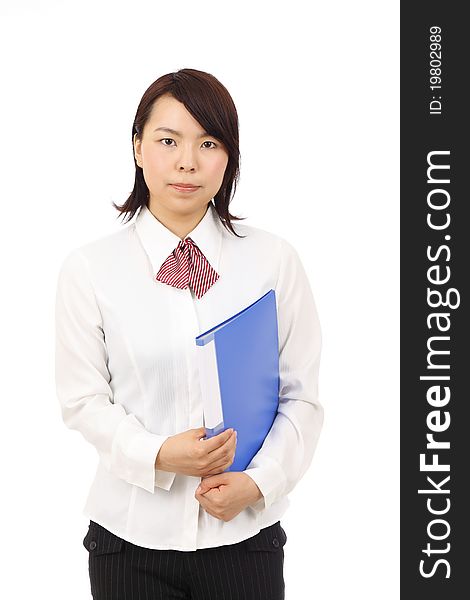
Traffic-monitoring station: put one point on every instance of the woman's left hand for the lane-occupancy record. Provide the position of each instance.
(226, 494)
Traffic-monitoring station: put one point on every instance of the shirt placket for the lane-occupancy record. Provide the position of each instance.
(190, 323)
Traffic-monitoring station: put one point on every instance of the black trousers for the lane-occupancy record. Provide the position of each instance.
(249, 570)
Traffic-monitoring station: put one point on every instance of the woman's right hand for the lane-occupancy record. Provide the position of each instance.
(189, 454)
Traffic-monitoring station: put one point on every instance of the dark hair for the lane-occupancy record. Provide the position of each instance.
(211, 105)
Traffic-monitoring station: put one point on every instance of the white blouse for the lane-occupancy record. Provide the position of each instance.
(127, 377)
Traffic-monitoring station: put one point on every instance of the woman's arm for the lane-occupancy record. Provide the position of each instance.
(125, 447)
(288, 449)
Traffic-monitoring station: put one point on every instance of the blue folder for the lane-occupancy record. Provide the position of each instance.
(239, 373)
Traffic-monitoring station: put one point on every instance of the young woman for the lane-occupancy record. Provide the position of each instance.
(166, 520)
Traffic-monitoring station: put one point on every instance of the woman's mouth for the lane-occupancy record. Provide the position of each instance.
(184, 188)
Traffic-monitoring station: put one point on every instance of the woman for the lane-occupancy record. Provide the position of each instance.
(166, 521)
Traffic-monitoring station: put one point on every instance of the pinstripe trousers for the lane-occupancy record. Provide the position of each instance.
(249, 570)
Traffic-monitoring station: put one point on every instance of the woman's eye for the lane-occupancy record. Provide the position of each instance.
(214, 145)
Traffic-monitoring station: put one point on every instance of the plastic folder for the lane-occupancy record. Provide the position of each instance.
(238, 363)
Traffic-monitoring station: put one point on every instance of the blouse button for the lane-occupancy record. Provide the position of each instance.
(92, 545)
(276, 543)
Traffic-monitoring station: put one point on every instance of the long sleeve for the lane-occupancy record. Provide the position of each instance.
(125, 447)
(288, 449)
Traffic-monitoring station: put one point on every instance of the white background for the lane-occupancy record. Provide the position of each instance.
(317, 91)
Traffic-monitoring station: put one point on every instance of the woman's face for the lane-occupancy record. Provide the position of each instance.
(184, 155)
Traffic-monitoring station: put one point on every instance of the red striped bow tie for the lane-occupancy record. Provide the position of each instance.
(185, 266)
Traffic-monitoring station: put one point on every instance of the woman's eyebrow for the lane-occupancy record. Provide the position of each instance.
(174, 132)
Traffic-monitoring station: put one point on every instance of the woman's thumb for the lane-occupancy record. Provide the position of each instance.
(200, 432)
(211, 481)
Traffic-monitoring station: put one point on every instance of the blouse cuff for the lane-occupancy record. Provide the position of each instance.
(271, 481)
(134, 453)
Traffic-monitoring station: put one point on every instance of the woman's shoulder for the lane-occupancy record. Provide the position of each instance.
(104, 244)
(105, 248)
(258, 236)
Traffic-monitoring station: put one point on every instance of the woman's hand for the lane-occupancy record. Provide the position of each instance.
(189, 454)
(225, 495)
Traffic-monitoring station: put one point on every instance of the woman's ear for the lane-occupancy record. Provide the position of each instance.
(137, 150)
